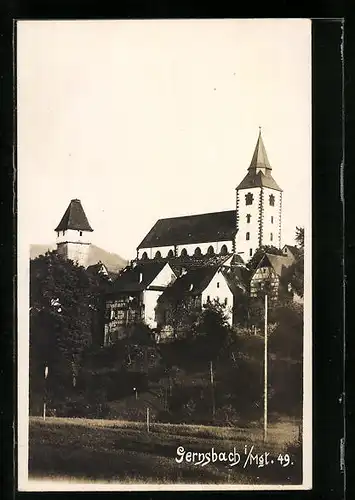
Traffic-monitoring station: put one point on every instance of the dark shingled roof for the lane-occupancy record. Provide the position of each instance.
(202, 228)
(262, 178)
(74, 218)
(278, 262)
(192, 283)
(129, 279)
(252, 180)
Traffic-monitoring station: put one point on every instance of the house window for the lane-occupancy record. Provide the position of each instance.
(144, 256)
(57, 234)
(247, 236)
(208, 298)
(225, 301)
(272, 200)
(271, 236)
(224, 250)
(249, 199)
(210, 250)
(250, 252)
(248, 218)
(217, 284)
(272, 219)
(63, 233)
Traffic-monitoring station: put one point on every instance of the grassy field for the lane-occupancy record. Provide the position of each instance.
(124, 452)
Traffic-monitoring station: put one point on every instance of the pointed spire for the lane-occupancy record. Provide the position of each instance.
(260, 159)
(74, 218)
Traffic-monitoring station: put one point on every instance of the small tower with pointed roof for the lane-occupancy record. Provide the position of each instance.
(73, 234)
(259, 205)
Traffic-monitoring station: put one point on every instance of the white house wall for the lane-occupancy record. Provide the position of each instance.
(150, 298)
(219, 290)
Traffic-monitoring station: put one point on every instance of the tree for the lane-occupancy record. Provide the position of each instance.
(63, 302)
(299, 238)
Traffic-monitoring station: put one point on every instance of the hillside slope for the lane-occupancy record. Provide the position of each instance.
(112, 261)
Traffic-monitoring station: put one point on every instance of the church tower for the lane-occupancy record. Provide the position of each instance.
(73, 234)
(259, 206)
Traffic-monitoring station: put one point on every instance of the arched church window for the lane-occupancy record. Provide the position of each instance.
(271, 236)
(272, 219)
(250, 252)
(247, 236)
(157, 255)
(224, 250)
(249, 199)
(272, 200)
(197, 252)
(170, 254)
(144, 256)
(183, 252)
(210, 250)
(248, 218)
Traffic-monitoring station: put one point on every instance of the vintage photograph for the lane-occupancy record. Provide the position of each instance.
(164, 254)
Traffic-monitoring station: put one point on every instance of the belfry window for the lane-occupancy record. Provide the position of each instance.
(272, 219)
(271, 236)
(249, 199)
(247, 236)
(248, 218)
(272, 200)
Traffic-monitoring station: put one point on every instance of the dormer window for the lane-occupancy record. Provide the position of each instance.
(248, 218)
(224, 250)
(272, 200)
(210, 250)
(249, 199)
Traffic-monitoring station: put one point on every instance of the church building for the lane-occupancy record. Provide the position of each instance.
(255, 221)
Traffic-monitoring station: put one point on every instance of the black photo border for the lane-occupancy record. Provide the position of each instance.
(327, 247)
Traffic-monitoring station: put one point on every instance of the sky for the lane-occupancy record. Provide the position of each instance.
(143, 120)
